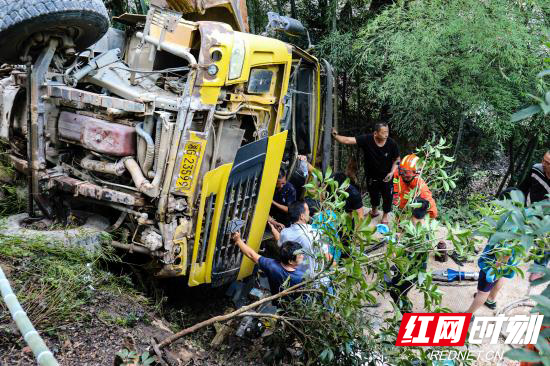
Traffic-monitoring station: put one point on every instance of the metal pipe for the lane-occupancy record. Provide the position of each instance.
(143, 218)
(150, 150)
(129, 247)
(158, 132)
(37, 155)
(43, 355)
(224, 117)
(116, 83)
(152, 189)
(142, 184)
(90, 163)
(162, 154)
(169, 47)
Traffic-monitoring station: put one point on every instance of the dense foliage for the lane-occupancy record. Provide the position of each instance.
(457, 69)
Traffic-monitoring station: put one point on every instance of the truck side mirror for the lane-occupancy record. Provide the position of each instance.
(290, 26)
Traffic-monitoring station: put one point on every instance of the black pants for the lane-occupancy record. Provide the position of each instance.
(398, 291)
(378, 189)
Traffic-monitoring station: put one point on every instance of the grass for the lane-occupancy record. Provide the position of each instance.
(53, 282)
(11, 200)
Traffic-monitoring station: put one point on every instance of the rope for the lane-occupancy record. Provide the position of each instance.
(43, 355)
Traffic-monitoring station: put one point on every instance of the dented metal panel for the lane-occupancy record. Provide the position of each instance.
(233, 12)
(79, 187)
(76, 95)
(8, 92)
(98, 135)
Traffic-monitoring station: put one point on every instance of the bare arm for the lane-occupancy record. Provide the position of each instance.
(274, 231)
(346, 140)
(309, 166)
(247, 251)
(360, 214)
(281, 207)
(393, 169)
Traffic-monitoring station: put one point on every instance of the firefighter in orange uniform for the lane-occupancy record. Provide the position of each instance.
(407, 183)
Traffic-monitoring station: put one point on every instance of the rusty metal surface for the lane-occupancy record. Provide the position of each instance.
(98, 135)
(8, 92)
(211, 33)
(19, 164)
(76, 95)
(90, 163)
(36, 149)
(79, 187)
(236, 8)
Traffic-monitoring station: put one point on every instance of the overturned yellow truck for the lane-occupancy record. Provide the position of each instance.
(168, 131)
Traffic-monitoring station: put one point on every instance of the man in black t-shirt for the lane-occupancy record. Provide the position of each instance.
(536, 188)
(381, 161)
(536, 185)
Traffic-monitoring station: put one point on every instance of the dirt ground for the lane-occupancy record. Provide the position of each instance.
(96, 341)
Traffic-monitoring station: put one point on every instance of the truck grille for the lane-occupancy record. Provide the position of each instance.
(209, 206)
(241, 197)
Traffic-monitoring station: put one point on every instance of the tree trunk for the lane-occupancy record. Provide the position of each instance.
(458, 141)
(334, 14)
(280, 7)
(524, 163)
(251, 17)
(510, 166)
(293, 9)
(343, 95)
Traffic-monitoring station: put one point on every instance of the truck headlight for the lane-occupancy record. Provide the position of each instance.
(237, 59)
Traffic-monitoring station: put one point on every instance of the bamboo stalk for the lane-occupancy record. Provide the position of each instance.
(43, 355)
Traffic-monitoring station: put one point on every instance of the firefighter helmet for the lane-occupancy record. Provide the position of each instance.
(407, 167)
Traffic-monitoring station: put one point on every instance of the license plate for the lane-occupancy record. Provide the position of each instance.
(189, 166)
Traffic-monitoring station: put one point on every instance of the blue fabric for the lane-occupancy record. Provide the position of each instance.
(325, 222)
(488, 258)
(544, 260)
(284, 196)
(485, 284)
(277, 275)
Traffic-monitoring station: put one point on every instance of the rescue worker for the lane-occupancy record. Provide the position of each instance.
(407, 185)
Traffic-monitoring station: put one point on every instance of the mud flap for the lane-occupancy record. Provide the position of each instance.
(242, 190)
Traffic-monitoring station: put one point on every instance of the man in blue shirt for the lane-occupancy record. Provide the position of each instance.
(277, 271)
(285, 194)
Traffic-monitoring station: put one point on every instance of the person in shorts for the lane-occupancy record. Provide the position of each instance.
(496, 258)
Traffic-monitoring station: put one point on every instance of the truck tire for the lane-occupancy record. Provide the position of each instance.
(21, 19)
(89, 236)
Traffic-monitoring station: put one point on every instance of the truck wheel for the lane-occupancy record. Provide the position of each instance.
(86, 21)
(89, 235)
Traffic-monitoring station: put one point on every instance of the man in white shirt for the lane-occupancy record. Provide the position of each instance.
(302, 232)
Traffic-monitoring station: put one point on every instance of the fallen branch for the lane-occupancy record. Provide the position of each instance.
(273, 316)
(244, 309)
(222, 318)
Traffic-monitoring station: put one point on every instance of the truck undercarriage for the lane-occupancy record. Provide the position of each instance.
(170, 130)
